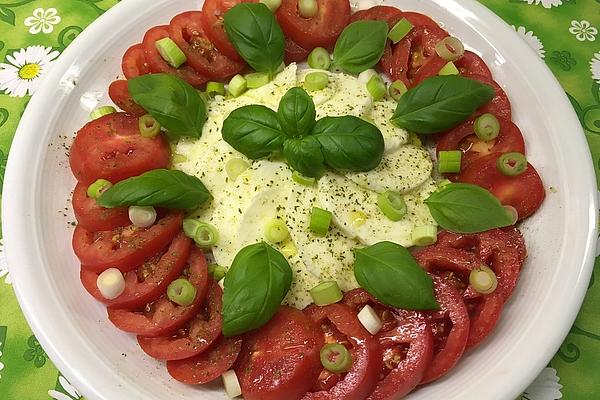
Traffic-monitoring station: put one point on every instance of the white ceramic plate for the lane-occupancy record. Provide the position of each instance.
(107, 364)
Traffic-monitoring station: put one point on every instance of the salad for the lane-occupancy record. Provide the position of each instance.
(306, 202)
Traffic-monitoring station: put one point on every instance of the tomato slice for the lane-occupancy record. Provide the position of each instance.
(451, 330)
(162, 316)
(93, 217)
(463, 138)
(322, 30)
(112, 148)
(366, 354)
(281, 359)
(158, 65)
(134, 62)
(118, 91)
(207, 366)
(500, 105)
(430, 68)
(294, 52)
(196, 337)
(124, 248)
(212, 22)
(471, 64)
(524, 192)
(388, 14)
(186, 30)
(484, 313)
(149, 281)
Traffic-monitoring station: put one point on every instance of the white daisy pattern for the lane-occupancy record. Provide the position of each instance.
(42, 20)
(545, 3)
(583, 30)
(545, 387)
(532, 40)
(3, 268)
(595, 67)
(73, 394)
(21, 74)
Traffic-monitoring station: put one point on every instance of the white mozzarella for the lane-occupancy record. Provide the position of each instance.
(394, 137)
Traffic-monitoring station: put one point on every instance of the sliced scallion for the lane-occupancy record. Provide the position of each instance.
(487, 127)
(302, 180)
(102, 111)
(449, 69)
(320, 220)
(206, 235)
(97, 188)
(190, 227)
(326, 293)
(319, 58)
(235, 167)
(449, 161)
(450, 48)
(512, 164)
(149, 127)
(424, 235)
(397, 89)
(514, 214)
(170, 52)
(308, 8)
(217, 271)
(181, 292)
(257, 79)
(237, 86)
(336, 358)
(392, 205)
(276, 231)
(316, 81)
(483, 280)
(272, 4)
(400, 30)
(215, 88)
(376, 87)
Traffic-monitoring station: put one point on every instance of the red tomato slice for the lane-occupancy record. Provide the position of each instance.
(195, 338)
(124, 248)
(112, 148)
(388, 14)
(212, 22)
(118, 91)
(366, 354)
(207, 366)
(396, 62)
(430, 69)
(524, 192)
(294, 52)
(149, 281)
(484, 312)
(158, 65)
(471, 64)
(163, 316)
(93, 217)
(281, 359)
(499, 105)
(185, 29)
(322, 30)
(134, 62)
(451, 336)
(463, 138)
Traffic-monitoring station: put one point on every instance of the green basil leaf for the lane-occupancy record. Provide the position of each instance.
(391, 274)
(349, 143)
(255, 285)
(253, 131)
(440, 103)
(256, 35)
(174, 103)
(360, 46)
(165, 188)
(296, 113)
(304, 155)
(466, 208)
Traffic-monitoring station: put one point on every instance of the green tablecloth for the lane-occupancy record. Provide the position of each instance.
(565, 33)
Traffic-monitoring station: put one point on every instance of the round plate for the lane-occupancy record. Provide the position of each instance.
(106, 364)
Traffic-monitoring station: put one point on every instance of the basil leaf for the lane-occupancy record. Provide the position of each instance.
(256, 35)
(253, 131)
(174, 103)
(360, 46)
(255, 285)
(440, 103)
(466, 208)
(390, 273)
(165, 188)
(349, 143)
(296, 113)
(305, 156)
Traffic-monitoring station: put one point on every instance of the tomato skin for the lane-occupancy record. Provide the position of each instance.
(206, 366)
(471, 64)
(294, 52)
(124, 248)
(162, 316)
(156, 63)
(268, 369)
(524, 192)
(137, 293)
(93, 217)
(430, 69)
(388, 14)
(186, 30)
(360, 381)
(195, 338)
(500, 105)
(322, 30)
(118, 91)
(134, 62)
(484, 313)
(112, 148)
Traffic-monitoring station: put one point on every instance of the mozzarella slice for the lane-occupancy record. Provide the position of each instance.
(394, 137)
(270, 94)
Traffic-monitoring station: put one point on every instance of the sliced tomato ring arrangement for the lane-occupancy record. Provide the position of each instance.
(149, 281)
(199, 334)
(134, 62)
(118, 92)
(163, 316)
(93, 217)
(471, 64)
(112, 148)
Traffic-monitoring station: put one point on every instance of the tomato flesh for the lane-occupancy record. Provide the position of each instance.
(118, 91)
(134, 62)
(471, 64)
(93, 217)
(294, 52)
(500, 105)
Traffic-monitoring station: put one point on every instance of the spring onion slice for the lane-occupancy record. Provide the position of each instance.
(449, 161)
(257, 79)
(512, 164)
(142, 217)
(450, 49)
(376, 87)
(358, 218)
(320, 220)
(397, 89)
(206, 235)
(215, 88)
(336, 358)
(392, 205)
(487, 127)
(483, 280)
(237, 86)
(326, 293)
(181, 292)
(170, 52)
(102, 111)
(149, 127)
(97, 188)
(400, 30)
(231, 384)
(111, 283)
(514, 214)
(190, 227)
(449, 69)
(272, 4)
(424, 235)
(316, 81)
(276, 231)
(235, 167)
(308, 8)
(319, 59)
(302, 180)
(370, 320)
(217, 271)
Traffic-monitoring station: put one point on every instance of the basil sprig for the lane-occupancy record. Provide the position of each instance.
(174, 103)
(466, 208)
(342, 143)
(160, 187)
(391, 274)
(360, 46)
(254, 287)
(256, 35)
(440, 103)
